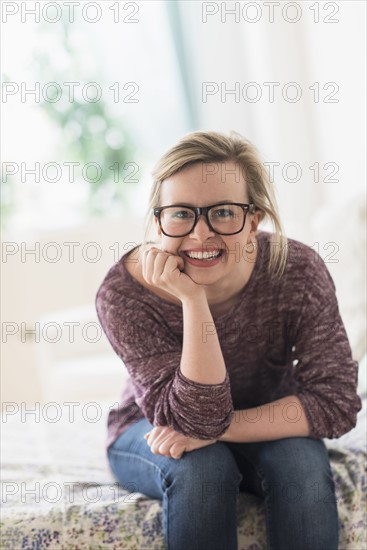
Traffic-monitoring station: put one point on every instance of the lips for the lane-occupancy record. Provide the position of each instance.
(204, 262)
(217, 253)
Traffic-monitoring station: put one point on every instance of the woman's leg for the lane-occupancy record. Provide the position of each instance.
(198, 491)
(294, 477)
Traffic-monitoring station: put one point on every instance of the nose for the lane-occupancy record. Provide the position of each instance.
(202, 230)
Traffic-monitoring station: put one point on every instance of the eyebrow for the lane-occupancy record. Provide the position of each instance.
(190, 204)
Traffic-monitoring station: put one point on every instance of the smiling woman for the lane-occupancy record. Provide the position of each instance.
(207, 401)
(226, 168)
(208, 228)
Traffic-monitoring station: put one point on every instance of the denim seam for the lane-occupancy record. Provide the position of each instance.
(260, 474)
(269, 519)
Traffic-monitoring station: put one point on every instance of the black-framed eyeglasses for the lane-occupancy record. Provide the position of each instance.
(224, 219)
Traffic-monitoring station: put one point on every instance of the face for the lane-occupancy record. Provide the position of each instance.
(203, 185)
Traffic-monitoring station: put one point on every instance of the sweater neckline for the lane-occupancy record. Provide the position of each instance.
(248, 286)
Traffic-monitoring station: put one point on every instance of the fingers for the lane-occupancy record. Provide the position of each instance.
(154, 264)
(157, 436)
(177, 450)
(164, 441)
(148, 265)
(178, 262)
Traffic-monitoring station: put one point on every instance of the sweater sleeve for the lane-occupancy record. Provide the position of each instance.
(325, 371)
(152, 356)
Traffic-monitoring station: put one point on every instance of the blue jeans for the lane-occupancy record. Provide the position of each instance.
(199, 491)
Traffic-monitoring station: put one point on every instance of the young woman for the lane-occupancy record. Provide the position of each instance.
(238, 358)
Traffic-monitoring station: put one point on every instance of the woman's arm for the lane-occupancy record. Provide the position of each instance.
(152, 355)
(202, 359)
(282, 418)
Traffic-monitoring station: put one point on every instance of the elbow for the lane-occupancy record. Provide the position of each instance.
(330, 419)
(341, 425)
(348, 420)
(191, 422)
(351, 425)
(208, 430)
(339, 429)
(330, 431)
(224, 427)
(203, 412)
(348, 417)
(213, 427)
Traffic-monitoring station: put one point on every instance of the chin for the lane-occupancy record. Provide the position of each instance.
(201, 274)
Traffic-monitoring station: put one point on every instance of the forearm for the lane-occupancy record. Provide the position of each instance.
(202, 359)
(282, 418)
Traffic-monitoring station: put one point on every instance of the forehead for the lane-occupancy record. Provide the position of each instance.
(204, 182)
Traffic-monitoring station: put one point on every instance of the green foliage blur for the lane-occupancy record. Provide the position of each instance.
(90, 131)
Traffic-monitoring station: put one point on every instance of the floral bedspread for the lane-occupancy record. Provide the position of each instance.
(58, 491)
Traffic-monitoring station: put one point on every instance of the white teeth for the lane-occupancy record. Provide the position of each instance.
(203, 255)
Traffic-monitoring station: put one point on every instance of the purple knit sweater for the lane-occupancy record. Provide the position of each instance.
(283, 337)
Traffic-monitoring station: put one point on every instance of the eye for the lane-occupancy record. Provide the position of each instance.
(223, 213)
(183, 214)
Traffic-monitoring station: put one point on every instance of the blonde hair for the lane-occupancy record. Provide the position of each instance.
(210, 147)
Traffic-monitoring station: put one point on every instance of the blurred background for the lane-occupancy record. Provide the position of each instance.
(93, 94)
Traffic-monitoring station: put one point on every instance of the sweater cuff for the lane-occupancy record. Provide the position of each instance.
(203, 411)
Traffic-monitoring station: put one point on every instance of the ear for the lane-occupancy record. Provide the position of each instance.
(255, 221)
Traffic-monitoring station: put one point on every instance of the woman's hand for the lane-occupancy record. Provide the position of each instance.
(165, 270)
(166, 441)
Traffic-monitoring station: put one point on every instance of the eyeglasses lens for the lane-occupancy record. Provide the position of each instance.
(225, 219)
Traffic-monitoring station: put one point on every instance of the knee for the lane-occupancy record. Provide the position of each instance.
(299, 468)
(299, 456)
(212, 468)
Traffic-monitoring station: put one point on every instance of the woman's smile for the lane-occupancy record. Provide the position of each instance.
(204, 261)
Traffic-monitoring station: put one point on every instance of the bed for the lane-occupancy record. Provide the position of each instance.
(58, 491)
